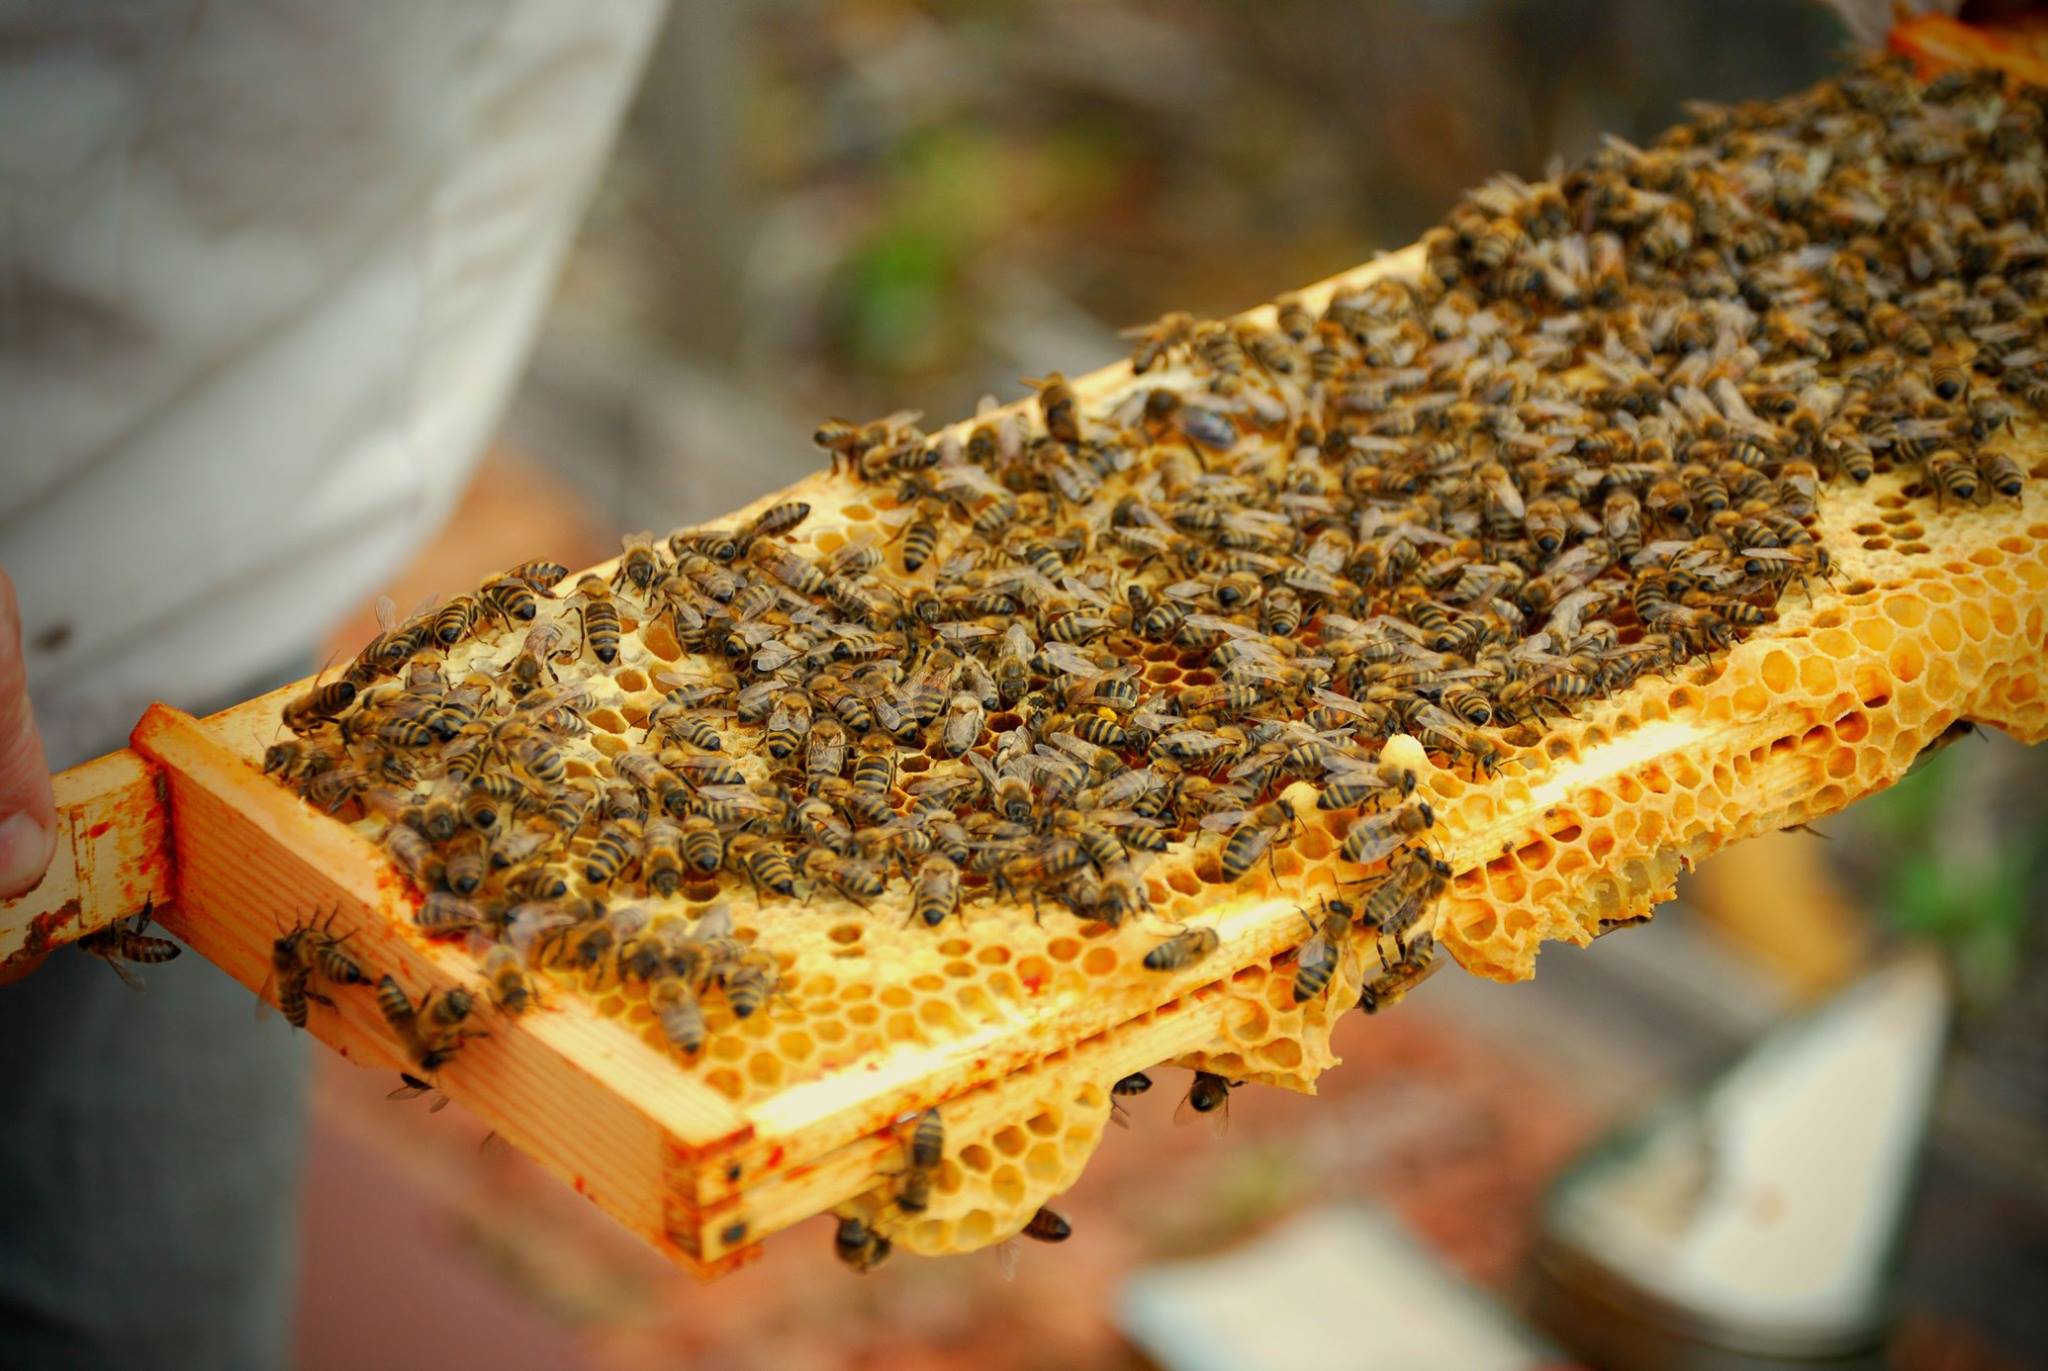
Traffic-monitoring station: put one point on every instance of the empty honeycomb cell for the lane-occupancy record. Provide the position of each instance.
(1974, 622)
(1842, 763)
(765, 1070)
(1099, 962)
(1907, 611)
(1752, 702)
(1915, 549)
(1043, 1163)
(1253, 1026)
(995, 954)
(1942, 681)
(1817, 676)
(863, 1015)
(726, 1082)
(1282, 1053)
(1184, 881)
(1778, 671)
(1944, 631)
(1906, 661)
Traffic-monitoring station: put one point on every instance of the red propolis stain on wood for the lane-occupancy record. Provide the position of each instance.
(99, 830)
(1034, 985)
(775, 1157)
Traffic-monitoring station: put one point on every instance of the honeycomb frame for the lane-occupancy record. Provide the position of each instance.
(1933, 618)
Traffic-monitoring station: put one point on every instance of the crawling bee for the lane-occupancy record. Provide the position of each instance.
(1252, 834)
(125, 940)
(1183, 950)
(1375, 835)
(505, 971)
(1209, 1098)
(859, 1246)
(1317, 961)
(599, 616)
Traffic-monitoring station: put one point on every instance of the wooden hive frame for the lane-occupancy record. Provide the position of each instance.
(1933, 619)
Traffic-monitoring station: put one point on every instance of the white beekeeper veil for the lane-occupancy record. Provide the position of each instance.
(267, 272)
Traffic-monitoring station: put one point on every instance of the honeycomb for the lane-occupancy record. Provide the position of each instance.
(1755, 699)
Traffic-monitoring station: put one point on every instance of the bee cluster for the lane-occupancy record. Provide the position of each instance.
(1583, 444)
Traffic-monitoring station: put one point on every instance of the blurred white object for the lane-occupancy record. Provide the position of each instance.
(269, 272)
(1339, 1289)
(1762, 1216)
(1869, 21)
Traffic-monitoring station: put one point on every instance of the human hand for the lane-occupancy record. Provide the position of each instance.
(28, 811)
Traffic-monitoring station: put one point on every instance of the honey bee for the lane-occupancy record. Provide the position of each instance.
(1058, 407)
(1252, 834)
(1183, 950)
(677, 1010)
(1208, 1097)
(1412, 882)
(1317, 961)
(508, 598)
(1156, 340)
(457, 620)
(431, 1033)
(764, 865)
(859, 1246)
(599, 616)
(1046, 1226)
(935, 895)
(541, 575)
(965, 721)
(778, 518)
(1413, 967)
(312, 711)
(1376, 835)
(504, 970)
(2001, 472)
(125, 940)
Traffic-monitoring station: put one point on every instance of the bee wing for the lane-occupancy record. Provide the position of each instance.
(1225, 818)
(1071, 660)
(387, 613)
(715, 922)
(1082, 591)
(964, 633)
(1343, 703)
(737, 795)
(1210, 623)
(1079, 747)
(1376, 836)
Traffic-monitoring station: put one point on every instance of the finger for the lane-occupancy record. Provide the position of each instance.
(28, 812)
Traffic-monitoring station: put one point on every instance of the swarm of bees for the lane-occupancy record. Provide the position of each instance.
(1584, 444)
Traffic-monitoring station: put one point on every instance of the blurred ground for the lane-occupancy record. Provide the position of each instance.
(855, 207)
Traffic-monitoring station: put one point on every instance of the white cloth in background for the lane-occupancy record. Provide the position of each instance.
(267, 272)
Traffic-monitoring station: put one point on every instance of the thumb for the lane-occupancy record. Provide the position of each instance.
(28, 813)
